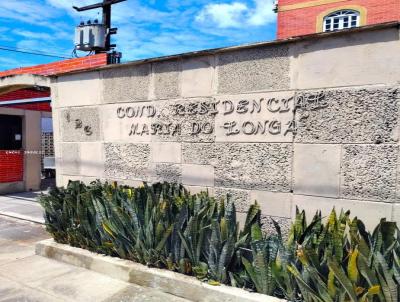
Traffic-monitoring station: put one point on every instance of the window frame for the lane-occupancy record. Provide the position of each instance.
(363, 12)
(341, 19)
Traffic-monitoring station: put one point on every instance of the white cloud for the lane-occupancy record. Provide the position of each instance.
(30, 44)
(223, 15)
(68, 4)
(48, 46)
(33, 35)
(6, 62)
(129, 12)
(237, 14)
(132, 12)
(22, 11)
(262, 14)
(26, 12)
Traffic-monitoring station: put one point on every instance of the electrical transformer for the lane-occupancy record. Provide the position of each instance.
(90, 36)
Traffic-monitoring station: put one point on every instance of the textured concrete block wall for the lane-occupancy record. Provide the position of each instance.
(289, 124)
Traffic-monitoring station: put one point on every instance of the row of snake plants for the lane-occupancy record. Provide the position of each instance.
(331, 259)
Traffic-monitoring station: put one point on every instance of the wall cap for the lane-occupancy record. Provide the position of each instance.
(215, 51)
(15, 82)
(166, 281)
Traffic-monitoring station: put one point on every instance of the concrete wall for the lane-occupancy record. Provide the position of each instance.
(310, 123)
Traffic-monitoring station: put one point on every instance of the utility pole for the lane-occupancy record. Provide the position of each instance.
(106, 6)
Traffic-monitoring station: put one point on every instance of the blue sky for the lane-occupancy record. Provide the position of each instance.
(146, 28)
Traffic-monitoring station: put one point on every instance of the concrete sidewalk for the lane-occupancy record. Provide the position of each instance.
(25, 277)
(22, 206)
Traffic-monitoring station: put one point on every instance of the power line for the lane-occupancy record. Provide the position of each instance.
(32, 52)
(35, 51)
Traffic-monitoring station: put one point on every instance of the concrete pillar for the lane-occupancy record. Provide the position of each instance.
(32, 147)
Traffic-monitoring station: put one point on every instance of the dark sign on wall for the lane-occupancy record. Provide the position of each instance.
(10, 132)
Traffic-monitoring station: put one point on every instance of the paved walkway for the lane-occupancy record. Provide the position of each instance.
(22, 206)
(25, 277)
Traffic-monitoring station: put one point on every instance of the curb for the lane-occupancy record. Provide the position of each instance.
(22, 217)
(163, 280)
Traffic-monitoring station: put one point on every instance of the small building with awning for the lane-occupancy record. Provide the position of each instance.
(26, 129)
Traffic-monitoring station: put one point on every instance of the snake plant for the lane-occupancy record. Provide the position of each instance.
(329, 259)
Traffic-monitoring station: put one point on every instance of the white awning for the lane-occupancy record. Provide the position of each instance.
(25, 101)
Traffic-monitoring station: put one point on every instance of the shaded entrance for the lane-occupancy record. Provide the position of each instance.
(24, 141)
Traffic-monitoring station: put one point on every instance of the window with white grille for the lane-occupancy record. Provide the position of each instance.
(341, 20)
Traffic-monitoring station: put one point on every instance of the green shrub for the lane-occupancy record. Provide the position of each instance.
(165, 226)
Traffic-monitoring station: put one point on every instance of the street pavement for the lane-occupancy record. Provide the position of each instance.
(26, 277)
(22, 206)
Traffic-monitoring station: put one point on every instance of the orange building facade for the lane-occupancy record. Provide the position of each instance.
(302, 17)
